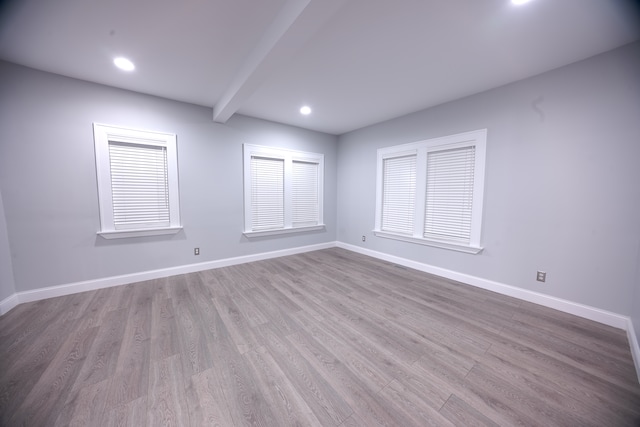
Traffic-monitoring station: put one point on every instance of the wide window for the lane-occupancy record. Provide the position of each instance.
(137, 182)
(282, 191)
(431, 192)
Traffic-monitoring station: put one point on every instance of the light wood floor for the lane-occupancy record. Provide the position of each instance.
(328, 338)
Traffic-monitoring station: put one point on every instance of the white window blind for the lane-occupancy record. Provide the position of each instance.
(139, 185)
(431, 192)
(304, 194)
(283, 191)
(267, 193)
(449, 195)
(137, 172)
(399, 194)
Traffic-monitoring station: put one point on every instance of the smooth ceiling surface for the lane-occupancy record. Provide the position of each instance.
(355, 62)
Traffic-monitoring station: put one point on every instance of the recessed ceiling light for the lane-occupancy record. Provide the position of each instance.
(306, 110)
(124, 64)
(519, 2)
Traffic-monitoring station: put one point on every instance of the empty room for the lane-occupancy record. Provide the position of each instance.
(320, 213)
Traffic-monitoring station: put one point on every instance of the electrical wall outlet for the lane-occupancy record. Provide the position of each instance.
(541, 276)
(364, 238)
(196, 251)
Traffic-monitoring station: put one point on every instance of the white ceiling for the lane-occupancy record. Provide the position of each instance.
(355, 62)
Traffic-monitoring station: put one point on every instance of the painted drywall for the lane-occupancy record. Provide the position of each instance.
(48, 180)
(635, 309)
(562, 189)
(7, 286)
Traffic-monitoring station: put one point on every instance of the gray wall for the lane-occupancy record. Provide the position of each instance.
(562, 189)
(48, 180)
(635, 307)
(7, 286)
(561, 195)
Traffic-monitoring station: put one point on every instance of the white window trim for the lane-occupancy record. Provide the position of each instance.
(477, 138)
(103, 134)
(289, 156)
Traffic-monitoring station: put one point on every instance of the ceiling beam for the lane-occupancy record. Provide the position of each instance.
(296, 22)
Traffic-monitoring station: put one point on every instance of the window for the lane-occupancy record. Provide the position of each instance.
(431, 192)
(282, 191)
(137, 182)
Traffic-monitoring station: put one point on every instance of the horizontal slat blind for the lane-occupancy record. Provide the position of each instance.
(139, 185)
(399, 194)
(304, 194)
(267, 193)
(449, 198)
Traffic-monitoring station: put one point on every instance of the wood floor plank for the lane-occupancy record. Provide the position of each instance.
(582, 326)
(273, 314)
(233, 279)
(469, 311)
(450, 366)
(189, 328)
(354, 421)
(326, 338)
(160, 288)
(166, 397)
(164, 329)
(362, 366)
(44, 403)
(120, 297)
(131, 379)
(285, 303)
(206, 401)
(210, 287)
(102, 358)
(133, 413)
(249, 309)
(597, 364)
(412, 403)
(96, 309)
(443, 335)
(553, 396)
(290, 290)
(402, 345)
(22, 370)
(325, 402)
(213, 326)
(289, 406)
(360, 398)
(42, 320)
(243, 397)
(237, 324)
(460, 413)
(85, 407)
(19, 320)
(524, 406)
(603, 395)
(611, 342)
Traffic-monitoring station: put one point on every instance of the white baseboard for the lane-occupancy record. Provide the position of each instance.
(588, 312)
(592, 313)
(90, 285)
(602, 316)
(8, 303)
(635, 346)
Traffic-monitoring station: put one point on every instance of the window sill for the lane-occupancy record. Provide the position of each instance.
(123, 234)
(435, 243)
(252, 234)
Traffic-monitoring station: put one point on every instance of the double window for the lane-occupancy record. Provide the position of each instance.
(137, 182)
(283, 191)
(430, 192)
